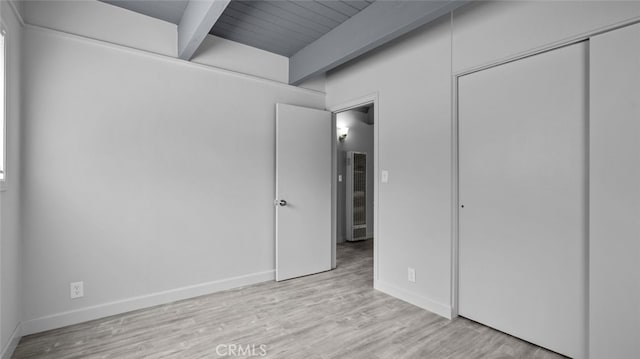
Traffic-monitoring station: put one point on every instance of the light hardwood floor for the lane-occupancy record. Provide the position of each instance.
(335, 314)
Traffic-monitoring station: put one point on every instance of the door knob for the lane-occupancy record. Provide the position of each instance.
(280, 202)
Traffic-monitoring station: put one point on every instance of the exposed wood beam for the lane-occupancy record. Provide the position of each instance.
(376, 25)
(197, 20)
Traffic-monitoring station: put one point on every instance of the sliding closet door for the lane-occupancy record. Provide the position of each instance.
(523, 196)
(615, 195)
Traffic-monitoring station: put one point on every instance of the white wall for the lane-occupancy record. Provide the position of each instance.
(485, 32)
(10, 246)
(360, 139)
(227, 105)
(120, 109)
(142, 174)
(230, 55)
(412, 79)
(315, 83)
(101, 21)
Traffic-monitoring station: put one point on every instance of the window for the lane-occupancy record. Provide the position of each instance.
(3, 108)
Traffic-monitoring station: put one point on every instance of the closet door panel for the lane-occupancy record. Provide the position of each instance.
(615, 195)
(523, 185)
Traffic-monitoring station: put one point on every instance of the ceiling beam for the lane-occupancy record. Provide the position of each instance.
(197, 20)
(376, 25)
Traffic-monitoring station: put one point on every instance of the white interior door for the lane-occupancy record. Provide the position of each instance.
(303, 191)
(523, 196)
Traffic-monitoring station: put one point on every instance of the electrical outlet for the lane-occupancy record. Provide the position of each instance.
(76, 290)
(411, 275)
(339, 178)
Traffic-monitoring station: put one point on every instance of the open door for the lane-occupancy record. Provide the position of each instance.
(303, 191)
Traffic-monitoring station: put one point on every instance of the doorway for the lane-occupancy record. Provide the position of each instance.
(354, 158)
(307, 144)
(355, 182)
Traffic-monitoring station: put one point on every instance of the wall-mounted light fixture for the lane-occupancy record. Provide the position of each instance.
(342, 133)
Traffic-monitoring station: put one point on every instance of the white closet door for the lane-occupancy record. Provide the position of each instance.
(523, 193)
(615, 195)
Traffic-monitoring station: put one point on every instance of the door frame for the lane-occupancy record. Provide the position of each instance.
(371, 99)
(455, 161)
(455, 202)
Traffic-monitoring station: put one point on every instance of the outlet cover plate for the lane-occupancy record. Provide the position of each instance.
(76, 290)
(411, 275)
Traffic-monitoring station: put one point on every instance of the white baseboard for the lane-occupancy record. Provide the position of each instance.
(8, 350)
(126, 305)
(415, 299)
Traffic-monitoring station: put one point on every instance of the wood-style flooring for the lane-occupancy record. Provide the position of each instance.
(335, 314)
